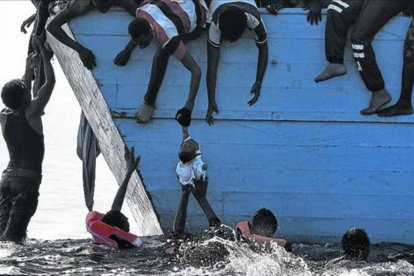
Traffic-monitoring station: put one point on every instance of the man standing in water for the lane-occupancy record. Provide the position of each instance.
(21, 125)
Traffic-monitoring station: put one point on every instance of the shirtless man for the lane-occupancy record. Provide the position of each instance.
(77, 8)
(22, 130)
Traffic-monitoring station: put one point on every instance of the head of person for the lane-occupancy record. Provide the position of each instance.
(117, 219)
(103, 5)
(188, 150)
(355, 243)
(232, 23)
(264, 223)
(14, 95)
(140, 32)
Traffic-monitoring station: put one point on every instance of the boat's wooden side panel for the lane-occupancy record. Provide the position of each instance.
(303, 150)
(111, 143)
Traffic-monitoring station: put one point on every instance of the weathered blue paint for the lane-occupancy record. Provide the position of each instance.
(303, 150)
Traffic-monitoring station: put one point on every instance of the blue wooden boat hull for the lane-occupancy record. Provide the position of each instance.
(303, 150)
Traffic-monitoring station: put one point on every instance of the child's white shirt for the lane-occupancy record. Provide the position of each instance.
(191, 171)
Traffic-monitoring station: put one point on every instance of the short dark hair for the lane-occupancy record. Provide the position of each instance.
(232, 23)
(138, 26)
(264, 223)
(190, 153)
(12, 93)
(355, 243)
(117, 219)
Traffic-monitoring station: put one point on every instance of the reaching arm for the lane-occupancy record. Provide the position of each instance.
(195, 70)
(38, 104)
(132, 166)
(42, 15)
(183, 115)
(31, 62)
(261, 69)
(73, 10)
(185, 133)
(27, 23)
(213, 57)
(123, 57)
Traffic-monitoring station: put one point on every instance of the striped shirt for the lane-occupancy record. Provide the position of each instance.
(254, 21)
(170, 19)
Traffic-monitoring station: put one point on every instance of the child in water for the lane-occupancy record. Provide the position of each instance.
(112, 228)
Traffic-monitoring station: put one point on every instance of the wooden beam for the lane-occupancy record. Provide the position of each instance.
(111, 143)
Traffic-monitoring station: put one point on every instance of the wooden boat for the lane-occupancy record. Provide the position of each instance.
(303, 151)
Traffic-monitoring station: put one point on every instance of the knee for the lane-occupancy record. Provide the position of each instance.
(197, 72)
(357, 38)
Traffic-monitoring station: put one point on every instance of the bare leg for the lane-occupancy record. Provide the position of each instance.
(181, 216)
(403, 106)
(200, 195)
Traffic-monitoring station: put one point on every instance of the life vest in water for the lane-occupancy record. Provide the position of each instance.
(101, 231)
(244, 228)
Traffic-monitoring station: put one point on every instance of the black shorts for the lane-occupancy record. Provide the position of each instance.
(18, 196)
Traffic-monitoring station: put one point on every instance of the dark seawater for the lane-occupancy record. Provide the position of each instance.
(198, 256)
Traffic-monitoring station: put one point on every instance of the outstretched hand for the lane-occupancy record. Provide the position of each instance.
(87, 57)
(209, 116)
(26, 24)
(256, 93)
(183, 117)
(122, 58)
(314, 15)
(131, 160)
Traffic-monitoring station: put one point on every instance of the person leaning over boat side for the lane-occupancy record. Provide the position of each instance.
(77, 8)
(192, 174)
(228, 21)
(22, 130)
(112, 229)
(356, 246)
(170, 24)
(261, 230)
(403, 106)
(373, 16)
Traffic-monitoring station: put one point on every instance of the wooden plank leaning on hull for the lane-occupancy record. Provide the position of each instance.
(110, 141)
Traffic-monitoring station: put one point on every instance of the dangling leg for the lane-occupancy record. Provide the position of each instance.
(181, 215)
(403, 106)
(374, 15)
(341, 15)
(159, 68)
(199, 193)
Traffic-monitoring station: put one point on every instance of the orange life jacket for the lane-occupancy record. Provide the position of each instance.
(244, 228)
(101, 231)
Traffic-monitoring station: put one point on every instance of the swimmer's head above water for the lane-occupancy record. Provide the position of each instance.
(355, 243)
(264, 223)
